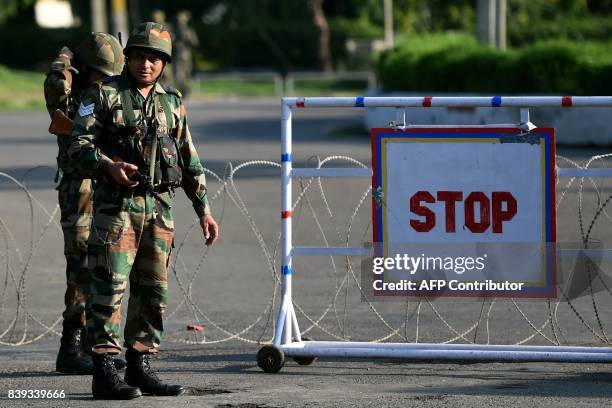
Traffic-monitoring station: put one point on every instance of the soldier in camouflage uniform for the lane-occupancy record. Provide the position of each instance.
(98, 56)
(132, 133)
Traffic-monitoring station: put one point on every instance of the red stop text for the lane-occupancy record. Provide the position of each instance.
(480, 210)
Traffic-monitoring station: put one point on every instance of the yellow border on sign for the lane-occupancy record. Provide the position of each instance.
(383, 158)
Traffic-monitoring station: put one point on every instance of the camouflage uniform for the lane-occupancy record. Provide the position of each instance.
(132, 232)
(99, 55)
(74, 192)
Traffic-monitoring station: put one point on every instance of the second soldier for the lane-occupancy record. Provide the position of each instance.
(98, 56)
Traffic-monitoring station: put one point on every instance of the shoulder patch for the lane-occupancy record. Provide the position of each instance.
(86, 110)
(172, 90)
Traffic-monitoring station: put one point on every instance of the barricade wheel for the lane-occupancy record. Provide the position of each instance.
(305, 360)
(270, 359)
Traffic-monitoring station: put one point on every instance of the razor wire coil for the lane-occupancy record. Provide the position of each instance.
(16, 265)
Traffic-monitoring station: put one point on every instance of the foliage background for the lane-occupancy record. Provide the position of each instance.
(559, 46)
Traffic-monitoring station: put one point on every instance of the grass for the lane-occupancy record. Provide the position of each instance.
(21, 90)
(230, 87)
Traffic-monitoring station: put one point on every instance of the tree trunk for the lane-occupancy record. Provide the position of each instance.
(319, 20)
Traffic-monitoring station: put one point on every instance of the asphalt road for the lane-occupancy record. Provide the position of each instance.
(231, 288)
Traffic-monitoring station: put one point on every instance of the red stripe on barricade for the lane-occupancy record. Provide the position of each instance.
(566, 101)
(427, 101)
(286, 214)
(299, 104)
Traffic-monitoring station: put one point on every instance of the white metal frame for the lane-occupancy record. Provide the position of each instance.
(288, 337)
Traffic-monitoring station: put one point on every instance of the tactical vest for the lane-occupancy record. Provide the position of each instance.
(168, 163)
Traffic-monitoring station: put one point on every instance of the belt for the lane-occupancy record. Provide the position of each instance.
(142, 190)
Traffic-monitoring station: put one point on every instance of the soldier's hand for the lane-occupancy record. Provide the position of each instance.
(209, 228)
(120, 172)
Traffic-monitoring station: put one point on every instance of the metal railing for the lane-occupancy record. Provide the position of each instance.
(287, 85)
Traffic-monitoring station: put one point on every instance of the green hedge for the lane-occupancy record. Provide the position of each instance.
(590, 28)
(455, 63)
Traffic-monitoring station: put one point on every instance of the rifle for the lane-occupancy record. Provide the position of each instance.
(144, 180)
(61, 125)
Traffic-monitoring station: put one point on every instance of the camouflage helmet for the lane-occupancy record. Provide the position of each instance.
(102, 52)
(153, 36)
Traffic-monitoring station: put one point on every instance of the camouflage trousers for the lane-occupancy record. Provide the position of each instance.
(131, 240)
(75, 201)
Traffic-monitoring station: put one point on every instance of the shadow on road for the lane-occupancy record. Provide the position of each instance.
(594, 384)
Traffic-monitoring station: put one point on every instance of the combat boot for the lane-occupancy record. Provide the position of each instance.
(106, 383)
(138, 373)
(70, 358)
(119, 362)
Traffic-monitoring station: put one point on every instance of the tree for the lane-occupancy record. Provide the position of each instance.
(9, 8)
(319, 20)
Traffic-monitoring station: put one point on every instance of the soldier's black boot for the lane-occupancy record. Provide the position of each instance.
(117, 359)
(138, 373)
(119, 362)
(106, 382)
(70, 358)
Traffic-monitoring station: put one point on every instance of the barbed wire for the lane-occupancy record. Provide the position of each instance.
(331, 320)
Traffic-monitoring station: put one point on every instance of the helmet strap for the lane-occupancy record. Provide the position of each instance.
(161, 73)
